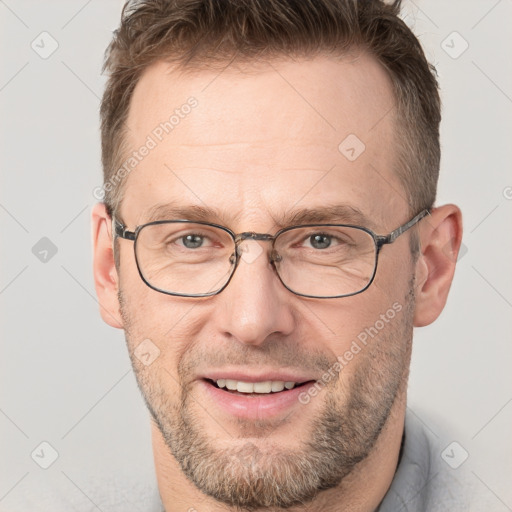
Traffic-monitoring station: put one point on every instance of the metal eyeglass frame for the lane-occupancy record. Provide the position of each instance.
(121, 231)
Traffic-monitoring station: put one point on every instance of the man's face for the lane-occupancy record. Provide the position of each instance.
(261, 144)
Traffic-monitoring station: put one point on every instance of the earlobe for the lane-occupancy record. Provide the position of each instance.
(441, 236)
(105, 274)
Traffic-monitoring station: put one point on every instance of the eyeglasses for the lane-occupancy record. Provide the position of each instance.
(198, 259)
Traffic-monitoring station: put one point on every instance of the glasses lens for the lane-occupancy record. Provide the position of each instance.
(185, 258)
(323, 261)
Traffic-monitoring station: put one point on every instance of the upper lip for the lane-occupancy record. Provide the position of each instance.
(258, 376)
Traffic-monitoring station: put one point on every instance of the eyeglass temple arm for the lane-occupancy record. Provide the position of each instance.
(121, 231)
(389, 239)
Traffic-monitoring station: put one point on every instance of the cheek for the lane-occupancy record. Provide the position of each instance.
(144, 309)
(164, 324)
(394, 270)
(352, 326)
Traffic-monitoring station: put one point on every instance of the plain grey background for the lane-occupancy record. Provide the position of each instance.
(65, 375)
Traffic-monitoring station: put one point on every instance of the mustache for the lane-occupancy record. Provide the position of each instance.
(274, 354)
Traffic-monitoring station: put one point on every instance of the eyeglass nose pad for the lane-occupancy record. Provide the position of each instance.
(275, 257)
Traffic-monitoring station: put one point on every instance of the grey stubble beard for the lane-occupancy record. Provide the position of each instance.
(251, 477)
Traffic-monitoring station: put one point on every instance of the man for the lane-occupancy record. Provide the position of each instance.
(268, 241)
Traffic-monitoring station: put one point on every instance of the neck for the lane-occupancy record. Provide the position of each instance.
(362, 490)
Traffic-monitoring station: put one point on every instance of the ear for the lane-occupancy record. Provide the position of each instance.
(440, 239)
(106, 279)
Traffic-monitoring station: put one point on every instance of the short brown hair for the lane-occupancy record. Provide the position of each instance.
(190, 32)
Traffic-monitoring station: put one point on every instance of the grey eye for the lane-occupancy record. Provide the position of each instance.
(192, 241)
(319, 241)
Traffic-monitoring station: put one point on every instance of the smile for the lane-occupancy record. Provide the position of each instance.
(253, 399)
(265, 387)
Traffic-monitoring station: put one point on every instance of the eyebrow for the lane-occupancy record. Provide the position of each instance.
(338, 213)
(172, 211)
(329, 214)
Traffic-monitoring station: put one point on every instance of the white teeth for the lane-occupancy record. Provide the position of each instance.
(244, 387)
(277, 386)
(230, 384)
(265, 387)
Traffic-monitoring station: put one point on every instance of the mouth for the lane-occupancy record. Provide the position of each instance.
(254, 399)
(254, 389)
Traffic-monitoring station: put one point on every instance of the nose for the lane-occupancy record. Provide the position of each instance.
(255, 304)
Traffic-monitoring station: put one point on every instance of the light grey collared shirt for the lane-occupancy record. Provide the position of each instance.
(424, 481)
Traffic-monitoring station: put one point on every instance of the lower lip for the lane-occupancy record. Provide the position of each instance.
(254, 407)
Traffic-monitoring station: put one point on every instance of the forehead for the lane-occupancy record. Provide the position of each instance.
(263, 137)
